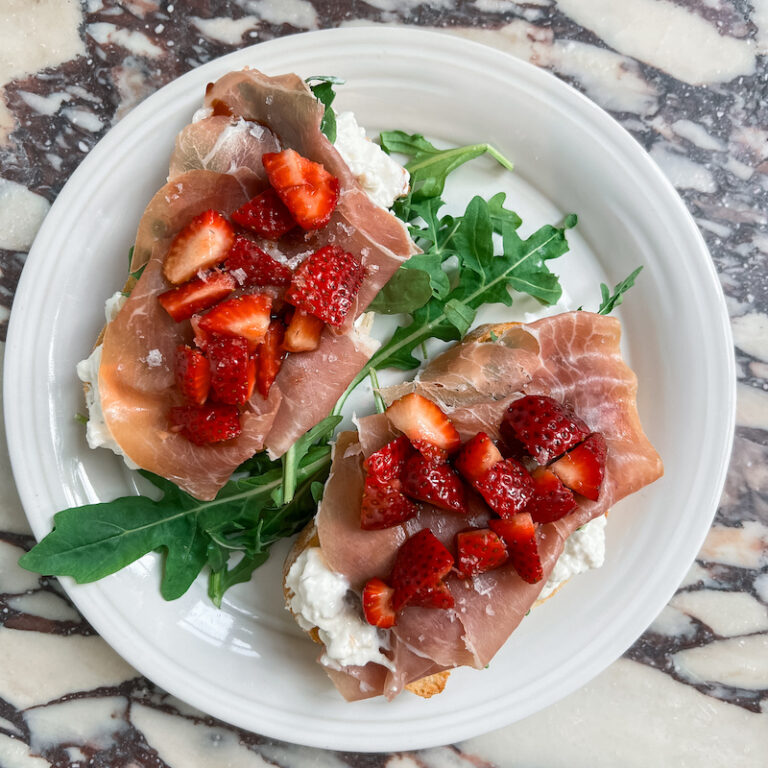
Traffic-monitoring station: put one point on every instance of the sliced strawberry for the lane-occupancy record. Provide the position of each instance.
(545, 427)
(388, 462)
(250, 376)
(435, 595)
(476, 457)
(205, 241)
(384, 506)
(196, 295)
(479, 550)
(583, 468)
(249, 265)
(303, 332)
(309, 192)
(201, 337)
(203, 424)
(519, 534)
(377, 604)
(430, 452)
(421, 421)
(246, 316)
(193, 374)
(270, 357)
(230, 379)
(551, 499)
(325, 284)
(436, 484)
(506, 487)
(266, 215)
(420, 562)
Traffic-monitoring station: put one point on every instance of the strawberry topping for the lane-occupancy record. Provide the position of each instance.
(384, 506)
(203, 424)
(387, 464)
(231, 379)
(422, 422)
(196, 295)
(422, 561)
(377, 604)
(435, 595)
(506, 487)
(249, 265)
(479, 550)
(303, 332)
(436, 484)
(205, 241)
(545, 427)
(476, 457)
(582, 469)
(270, 357)
(246, 316)
(193, 374)
(308, 191)
(325, 284)
(551, 499)
(519, 534)
(266, 215)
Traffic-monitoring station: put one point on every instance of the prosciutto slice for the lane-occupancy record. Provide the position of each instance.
(573, 357)
(217, 164)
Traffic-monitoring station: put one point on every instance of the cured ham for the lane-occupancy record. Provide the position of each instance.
(216, 164)
(573, 357)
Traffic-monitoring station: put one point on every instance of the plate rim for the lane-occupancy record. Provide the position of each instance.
(81, 593)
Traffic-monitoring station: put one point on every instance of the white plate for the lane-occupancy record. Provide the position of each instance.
(248, 664)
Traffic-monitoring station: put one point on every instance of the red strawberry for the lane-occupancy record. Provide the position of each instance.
(431, 452)
(193, 374)
(249, 265)
(476, 457)
(205, 241)
(377, 604)
(230, 376)
(582, 469)
(421, 421)
(479, 550)
(325, 284)
(203, 424)
(519, 534)
(436, 484)
(544, 426)
(506, 487)
(420, 562)
(387, 463)
(270, 357)
(196, 295)
(384, 506)
(309, 192)
(266, 215)
(551, 499)
(246, 316)
(303, 332)
(435, 595)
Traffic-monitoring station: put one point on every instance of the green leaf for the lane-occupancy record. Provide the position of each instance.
(325, 94)
(474, 236)
(407, 290)
(459, 315)
(500, 215)
(611, 301)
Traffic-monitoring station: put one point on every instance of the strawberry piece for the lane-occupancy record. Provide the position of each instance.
(506, 487)
(436, 484)
(205, 241)
(196, 295)
(325, 284)
(229, 369)
(421, 421)
(435, 595)
(266, 215)
(303, 332)
(583, 468)
(377, 604)
(545, 427)
(204, 424)
(309, 192)
(388, 462)
(270, 356)
(519, 534)
(479, 550)
(249, 265)
(476, 457)
(384, 506)
(431, 452)
(551, 499)
(250, 376)
(420, 562)
(193, 374)
(246, 316)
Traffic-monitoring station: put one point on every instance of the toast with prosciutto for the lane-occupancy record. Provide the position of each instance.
(256, 260)
(444, 517)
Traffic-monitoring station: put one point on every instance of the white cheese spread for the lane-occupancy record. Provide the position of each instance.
(321, 598)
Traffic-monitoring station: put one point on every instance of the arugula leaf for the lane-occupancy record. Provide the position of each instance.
(611, 301)
(325, 94)
(407, 290)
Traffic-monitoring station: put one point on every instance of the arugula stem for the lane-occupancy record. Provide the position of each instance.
(289, 474)
(378, 399)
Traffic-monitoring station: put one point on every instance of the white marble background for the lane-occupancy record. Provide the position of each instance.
(689, 80)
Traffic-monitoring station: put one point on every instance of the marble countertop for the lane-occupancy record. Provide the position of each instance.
(689, 80)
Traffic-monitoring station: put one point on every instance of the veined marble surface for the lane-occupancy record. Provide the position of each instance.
(689, 80)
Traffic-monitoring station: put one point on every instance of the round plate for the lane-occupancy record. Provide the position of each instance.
(248, 664)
